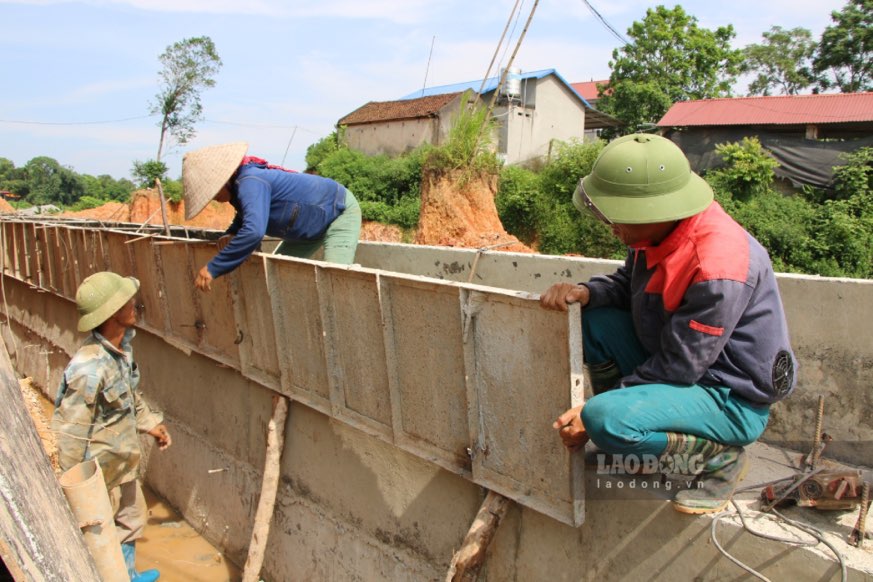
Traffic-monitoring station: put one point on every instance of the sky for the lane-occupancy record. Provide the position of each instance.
(79, 77)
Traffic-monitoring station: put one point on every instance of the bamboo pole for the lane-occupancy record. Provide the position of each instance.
(269, 486)
(468, 560)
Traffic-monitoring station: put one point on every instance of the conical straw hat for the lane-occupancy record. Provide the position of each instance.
(205, 171)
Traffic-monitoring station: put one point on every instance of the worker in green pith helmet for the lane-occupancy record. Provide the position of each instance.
(99, 410)
(686, 344)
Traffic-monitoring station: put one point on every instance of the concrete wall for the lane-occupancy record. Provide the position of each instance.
(354, 504)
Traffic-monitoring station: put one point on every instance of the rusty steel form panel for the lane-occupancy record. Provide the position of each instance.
(57, 272)
(83, 253)
(92, 256)
(31, 255)
(119, 254)
(293, 290)
(68, 264)
(219, 334)
(355, 348)
(152, 292)
(426, 369)
(21, 266)
(256, 332)
(524, 364)
(8, 242)
(185, 322)
(43, 257)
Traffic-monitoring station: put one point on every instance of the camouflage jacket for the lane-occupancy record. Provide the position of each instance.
(99, 410)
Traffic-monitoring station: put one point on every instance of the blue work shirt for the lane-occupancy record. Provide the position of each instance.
(276, 202)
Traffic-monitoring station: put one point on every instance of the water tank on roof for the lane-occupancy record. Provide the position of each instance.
(512, 84)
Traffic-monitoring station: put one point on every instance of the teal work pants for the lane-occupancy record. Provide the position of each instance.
(340, 241)
(635, 420)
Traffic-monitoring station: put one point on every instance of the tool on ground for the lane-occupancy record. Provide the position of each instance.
(822, 484)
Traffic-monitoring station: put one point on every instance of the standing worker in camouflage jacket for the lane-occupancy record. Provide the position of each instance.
(99, 409)
(686, 344)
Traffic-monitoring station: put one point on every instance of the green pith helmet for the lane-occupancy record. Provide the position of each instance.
(641, 179)
(101, 295)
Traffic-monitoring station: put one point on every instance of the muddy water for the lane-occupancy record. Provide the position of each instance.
(169, 544)
(176, 550)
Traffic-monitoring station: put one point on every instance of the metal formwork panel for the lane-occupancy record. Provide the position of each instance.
(55, 279)
(21, 266)
(524, 369)
(8, 234)
(88, 249)
(182, 300)
(426, 369)
(31, 254)
(152, 295)
(67, 264)
(256, 331)
(118, 253)
(43, 257)
(293, 288)
(355, 347)
(219, 335)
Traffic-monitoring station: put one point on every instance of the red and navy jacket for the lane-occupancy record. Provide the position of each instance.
(706, 306)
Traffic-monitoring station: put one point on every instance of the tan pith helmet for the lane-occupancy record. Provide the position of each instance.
(100, 295)
(206, 170)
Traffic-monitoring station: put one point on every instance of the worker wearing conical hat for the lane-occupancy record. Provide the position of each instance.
(686, 345)
(307, 212)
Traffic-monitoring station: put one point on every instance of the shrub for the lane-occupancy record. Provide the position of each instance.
(749, 169)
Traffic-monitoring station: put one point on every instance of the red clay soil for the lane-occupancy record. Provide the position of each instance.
(5, 206)
(462, 217)
(145, 207)
(450, 216)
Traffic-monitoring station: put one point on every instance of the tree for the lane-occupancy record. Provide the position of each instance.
(50, 183)
(783, 62)
(189, 66)
(846, 48)
(145, 173)
(670, 59)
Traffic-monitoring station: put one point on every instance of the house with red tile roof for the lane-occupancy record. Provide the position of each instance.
(807, 134)
(589, 90)
(533, 111)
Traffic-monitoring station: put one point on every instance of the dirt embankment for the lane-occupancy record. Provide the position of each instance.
(450, 216)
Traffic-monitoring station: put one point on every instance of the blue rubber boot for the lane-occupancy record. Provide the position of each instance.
(129, 552)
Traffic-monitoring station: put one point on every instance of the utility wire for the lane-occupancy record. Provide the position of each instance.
(608, 26)
(73, 122)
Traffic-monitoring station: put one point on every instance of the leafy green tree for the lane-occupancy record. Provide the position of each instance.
(669, 59)
(189, 66)
(50, 183)
(12, 178)
(323, 148)
(783, 62)
(846, 48)
(145, 173)
(105, 187)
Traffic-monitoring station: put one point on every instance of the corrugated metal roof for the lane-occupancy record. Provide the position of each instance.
(776, 110)
(402, 109)
(489, 85)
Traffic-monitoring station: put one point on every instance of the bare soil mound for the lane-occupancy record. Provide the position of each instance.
(145, 208)
(5, 206)
(463, 216)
